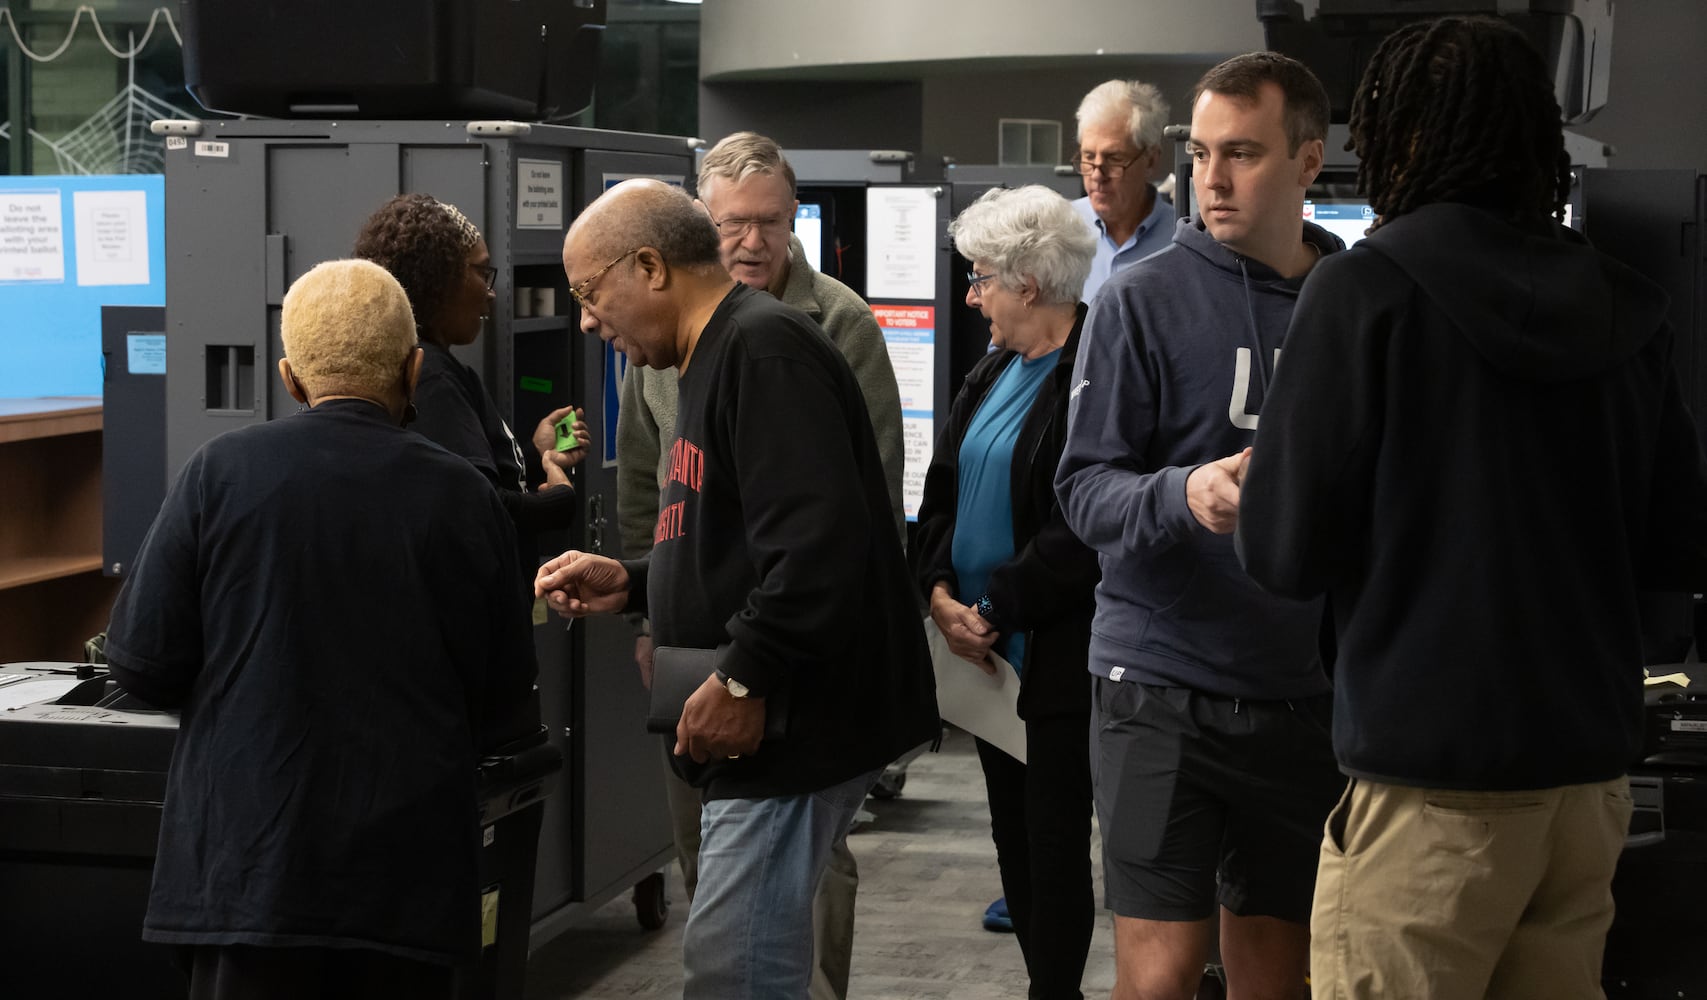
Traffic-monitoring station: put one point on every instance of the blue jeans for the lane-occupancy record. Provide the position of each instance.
(749, 933)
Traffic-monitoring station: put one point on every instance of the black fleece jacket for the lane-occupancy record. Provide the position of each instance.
(1048, 589)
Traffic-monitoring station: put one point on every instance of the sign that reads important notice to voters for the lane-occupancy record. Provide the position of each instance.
(32, 236)
(910, 334)
(539, 194)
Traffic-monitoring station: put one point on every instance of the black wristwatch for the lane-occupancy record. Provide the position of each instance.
(987, 610)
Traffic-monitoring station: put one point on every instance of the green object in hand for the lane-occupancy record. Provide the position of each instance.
(566, 439)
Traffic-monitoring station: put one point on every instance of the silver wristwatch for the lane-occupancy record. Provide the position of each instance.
(735, 688)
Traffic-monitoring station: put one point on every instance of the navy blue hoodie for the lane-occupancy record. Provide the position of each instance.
(1177, 354)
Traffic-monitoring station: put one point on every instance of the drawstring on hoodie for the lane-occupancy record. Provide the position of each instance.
(1262, 364)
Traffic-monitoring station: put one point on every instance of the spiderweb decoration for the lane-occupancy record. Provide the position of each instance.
(115, 139)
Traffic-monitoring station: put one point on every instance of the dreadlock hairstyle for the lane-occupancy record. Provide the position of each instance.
(1459, 108)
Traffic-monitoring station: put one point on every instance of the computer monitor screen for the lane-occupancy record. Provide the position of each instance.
(809, 226)
(1334, 203)
(1346, 218)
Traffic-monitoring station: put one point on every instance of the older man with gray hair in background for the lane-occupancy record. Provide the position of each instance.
(748, 189)
(1120, 143)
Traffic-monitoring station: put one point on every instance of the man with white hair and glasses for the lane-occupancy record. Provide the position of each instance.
(1120, 142)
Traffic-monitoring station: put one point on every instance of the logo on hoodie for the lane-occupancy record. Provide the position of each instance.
(1238, 409)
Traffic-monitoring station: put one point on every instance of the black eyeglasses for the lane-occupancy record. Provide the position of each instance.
(974, 280)
(1109, 166)
(487, 272)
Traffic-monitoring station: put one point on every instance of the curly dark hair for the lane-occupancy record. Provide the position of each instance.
(424, 243)
(1459, 108)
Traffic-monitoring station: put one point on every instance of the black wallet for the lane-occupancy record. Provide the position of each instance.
(678, 671)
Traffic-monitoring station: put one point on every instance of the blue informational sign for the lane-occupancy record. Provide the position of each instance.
(809, 226)
(145, 353)
(68, 246)
(616, 365)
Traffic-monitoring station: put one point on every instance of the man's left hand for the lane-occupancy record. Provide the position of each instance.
(1212, 492)
(717, 725)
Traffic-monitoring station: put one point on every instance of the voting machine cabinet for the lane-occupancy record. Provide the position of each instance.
(1653, 947)
(252, 205)
(81, 793)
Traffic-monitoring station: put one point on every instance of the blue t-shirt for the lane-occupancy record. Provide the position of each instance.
(984, 515)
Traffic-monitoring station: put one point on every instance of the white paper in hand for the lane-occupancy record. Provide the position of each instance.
(985, 706)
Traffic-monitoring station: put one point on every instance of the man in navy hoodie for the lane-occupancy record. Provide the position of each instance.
(1478, 450)
(1213, 769)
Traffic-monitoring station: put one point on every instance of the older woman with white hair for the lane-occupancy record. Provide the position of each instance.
(1003, 573)
(329, 599)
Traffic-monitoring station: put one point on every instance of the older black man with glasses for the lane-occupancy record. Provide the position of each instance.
(747, 189)
(1120, 143)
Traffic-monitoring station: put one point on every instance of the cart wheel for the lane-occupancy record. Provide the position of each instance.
(652, 901)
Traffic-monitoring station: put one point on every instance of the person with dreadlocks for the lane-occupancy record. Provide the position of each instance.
(1478, 450)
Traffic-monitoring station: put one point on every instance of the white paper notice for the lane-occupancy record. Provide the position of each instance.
(32, 238)
(900, 236)
(910, 334)
(918, 442)
(539, 194)
(112, 237)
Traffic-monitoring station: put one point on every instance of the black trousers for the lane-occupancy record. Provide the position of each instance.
(243, 972)
(1040, 819)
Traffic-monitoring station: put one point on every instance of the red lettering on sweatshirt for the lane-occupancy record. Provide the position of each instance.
(669, 523)
(687, 464)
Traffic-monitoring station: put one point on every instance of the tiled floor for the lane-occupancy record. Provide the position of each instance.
(927, 870)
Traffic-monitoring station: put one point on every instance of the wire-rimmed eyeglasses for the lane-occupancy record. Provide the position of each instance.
(1109, 164)
(579, 292)
(731, 229)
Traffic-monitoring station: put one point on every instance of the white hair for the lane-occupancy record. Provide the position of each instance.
(1028, 231)
(1138, 107)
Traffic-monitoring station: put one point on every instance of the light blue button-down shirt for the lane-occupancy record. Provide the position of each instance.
(1154, 233)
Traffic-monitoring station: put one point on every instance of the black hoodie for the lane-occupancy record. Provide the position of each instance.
(1477, 448)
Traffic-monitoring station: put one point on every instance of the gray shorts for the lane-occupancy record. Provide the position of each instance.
(1206, 800)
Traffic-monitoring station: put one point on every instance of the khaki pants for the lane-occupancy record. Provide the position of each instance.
(1428, 893)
